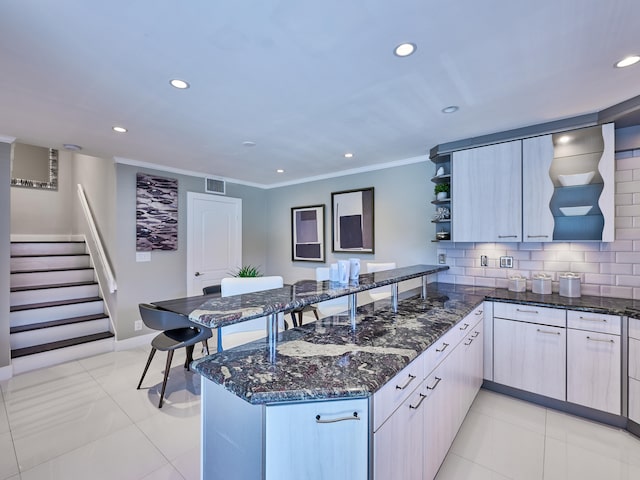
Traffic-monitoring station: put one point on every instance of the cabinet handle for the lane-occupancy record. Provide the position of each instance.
(527, 311)
(435, 384)
(594, 319)
(507, 236)
(422, 397)
(600, 340)
(470, 342)
(339, 419)
(411, 379)
(479, 312)
(444, 347)
(464, 327)
(550, 332)
(537, 236)
(475, 334)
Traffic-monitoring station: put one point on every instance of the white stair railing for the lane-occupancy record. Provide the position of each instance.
(102, 257)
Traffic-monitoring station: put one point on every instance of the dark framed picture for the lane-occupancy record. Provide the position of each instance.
(307, 233)
(352, 221)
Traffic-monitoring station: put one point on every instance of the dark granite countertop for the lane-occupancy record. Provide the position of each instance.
(327, 359)
(221, 311)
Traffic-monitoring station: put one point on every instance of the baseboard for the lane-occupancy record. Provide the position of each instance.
(6, 372)
(26, 237)
(135, 342)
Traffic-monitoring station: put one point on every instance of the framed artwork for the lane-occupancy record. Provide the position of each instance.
(352, 221)
(156, 213)
(307, 233)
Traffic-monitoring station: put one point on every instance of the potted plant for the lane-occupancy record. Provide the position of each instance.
(247, 271)
(442, 191)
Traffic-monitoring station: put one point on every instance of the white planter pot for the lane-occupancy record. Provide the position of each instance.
(442, 195)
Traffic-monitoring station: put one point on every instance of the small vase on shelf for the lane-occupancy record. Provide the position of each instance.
(442, 195)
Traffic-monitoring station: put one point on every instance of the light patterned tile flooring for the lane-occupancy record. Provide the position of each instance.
(85, 419)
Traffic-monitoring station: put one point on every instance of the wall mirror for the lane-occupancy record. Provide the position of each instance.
(34, 167)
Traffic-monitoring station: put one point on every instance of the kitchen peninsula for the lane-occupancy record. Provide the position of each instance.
(338, 399)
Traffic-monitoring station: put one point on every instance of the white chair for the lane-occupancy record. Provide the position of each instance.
(381, 292)
(335, 305)
(244, 332)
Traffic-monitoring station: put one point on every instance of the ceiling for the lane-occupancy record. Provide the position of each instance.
(306, 81)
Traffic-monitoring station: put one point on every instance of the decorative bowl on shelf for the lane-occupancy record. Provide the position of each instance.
(576, 211)
(576, 179)
(442, 235)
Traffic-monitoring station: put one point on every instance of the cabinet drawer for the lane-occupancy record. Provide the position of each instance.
(530, 313)
(593, 322)
(393, 393)
(634, 328)
(634, 358)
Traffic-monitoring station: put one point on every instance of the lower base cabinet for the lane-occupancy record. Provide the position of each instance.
(634, 370)
(413, 441)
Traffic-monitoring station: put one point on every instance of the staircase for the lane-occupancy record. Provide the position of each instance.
(56, 312)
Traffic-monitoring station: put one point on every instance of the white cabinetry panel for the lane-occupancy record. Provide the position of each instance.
(537, 189)
(594, 322)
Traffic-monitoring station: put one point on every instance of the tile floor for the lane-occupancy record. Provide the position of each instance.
(85, 419)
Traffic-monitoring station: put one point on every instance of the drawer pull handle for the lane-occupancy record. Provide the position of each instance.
(422, 397)
(444, 347)
(527, 311)
(464, 327)
(594, 319)
(411, 379)
(475, 334)
(339, 419)
(470, 342)
(550, 332)
(435, 384)
(600, 340)
(537, 236)
(507, 236)
(479, 312)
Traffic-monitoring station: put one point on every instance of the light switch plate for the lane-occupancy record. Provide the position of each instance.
(506, 262)
(442, 258)
(484, 262)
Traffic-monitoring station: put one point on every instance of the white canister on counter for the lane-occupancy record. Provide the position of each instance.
(541, 283)
(354, 268)
(343, 271)
(334, 275)
(517, 283)
(569, 285)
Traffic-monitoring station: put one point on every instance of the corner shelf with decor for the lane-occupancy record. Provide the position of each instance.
(442, 201)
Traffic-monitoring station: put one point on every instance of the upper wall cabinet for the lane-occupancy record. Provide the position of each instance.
(487, 189)
(568, 186)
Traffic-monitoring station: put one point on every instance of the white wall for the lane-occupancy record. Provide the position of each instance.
(403, 230)
(45, 212)
(5, 242)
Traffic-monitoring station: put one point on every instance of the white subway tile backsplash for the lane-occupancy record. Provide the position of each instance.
(455, 253)
(557, 266)
(556, 246)
(462, 280)
(600, 257)
(636, 174)
(628, 281)
(628, 257)
(621, 155)
(628, 233)
(530, 246)
(600, 278)
(530, 265)
(624, 222)
(544, 256)
(619, 292)
(624, 198)
(502, 283)
(628, 163)
(485, 282)
(618, 268)
(585, 246)
(583, 267)
(617, 246)
(627, 211)
(628, 187)
(474, 272)
(467, 262)
(587, 289)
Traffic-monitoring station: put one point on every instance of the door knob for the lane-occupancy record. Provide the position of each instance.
(198, 274)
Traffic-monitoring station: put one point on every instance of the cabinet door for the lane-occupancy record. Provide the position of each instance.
(634, 400)
(530, 357)
(399, 442)
(593, 370)
(488, 340)
(486, 193)
(317, 440)
(537, 189)
(440, 415)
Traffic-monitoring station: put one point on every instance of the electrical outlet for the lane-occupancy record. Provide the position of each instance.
(484, 262)
(137, 325)
(506, 262)
(442, 258)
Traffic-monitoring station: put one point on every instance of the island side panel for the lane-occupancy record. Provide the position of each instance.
(231, 435)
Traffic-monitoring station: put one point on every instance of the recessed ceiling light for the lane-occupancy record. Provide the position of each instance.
(119, 129)
(180, 84)
(564, 139)
(72, 147)
(249, 144)
(628, 61)
(280, 170)
(450, 109)
(405, 49)
(348, 155)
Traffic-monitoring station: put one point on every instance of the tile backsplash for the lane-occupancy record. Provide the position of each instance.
(609, 269)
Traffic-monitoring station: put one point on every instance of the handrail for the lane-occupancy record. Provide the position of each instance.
(96, 240)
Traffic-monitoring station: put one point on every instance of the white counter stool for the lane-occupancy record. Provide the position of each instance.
(178, 332)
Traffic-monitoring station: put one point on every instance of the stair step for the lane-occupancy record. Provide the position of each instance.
(48, 262)
(45, 270)
(59, 303)
(56, 333)
(24, 279)
(52, 293)
(27, 316)
(53, 285)
(43, 247)
(57, 323)
(21, 352)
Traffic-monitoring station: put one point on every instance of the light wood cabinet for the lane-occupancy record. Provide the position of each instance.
(537, 189)
(634, 370)
(593, 370)
(487, 193)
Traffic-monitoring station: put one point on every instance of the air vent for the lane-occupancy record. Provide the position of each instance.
(214, 185)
